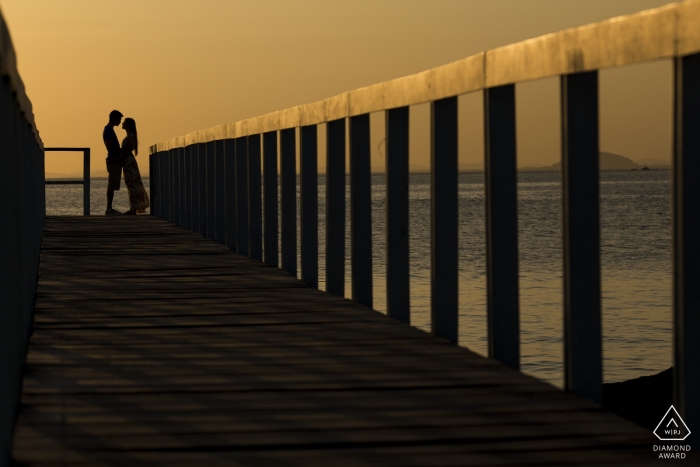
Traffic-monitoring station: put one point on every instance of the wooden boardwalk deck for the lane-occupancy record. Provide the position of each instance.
(155, 346)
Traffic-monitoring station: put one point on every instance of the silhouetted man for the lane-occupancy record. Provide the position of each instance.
(114, 159)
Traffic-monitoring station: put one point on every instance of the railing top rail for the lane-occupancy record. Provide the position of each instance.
(67, 149)
(9, 74)
(668, 31)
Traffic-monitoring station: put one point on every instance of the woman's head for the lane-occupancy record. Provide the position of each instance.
(130, 126)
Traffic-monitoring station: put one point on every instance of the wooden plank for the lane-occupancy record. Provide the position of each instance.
(220, 359)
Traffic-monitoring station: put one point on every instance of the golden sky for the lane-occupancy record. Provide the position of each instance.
(180, 65)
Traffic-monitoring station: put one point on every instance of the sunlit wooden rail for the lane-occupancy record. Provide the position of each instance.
(155, 346)
(209, 181)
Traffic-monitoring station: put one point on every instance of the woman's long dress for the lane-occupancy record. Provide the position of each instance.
(138, 198)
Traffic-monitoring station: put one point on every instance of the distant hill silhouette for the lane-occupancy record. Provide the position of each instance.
(610, 161)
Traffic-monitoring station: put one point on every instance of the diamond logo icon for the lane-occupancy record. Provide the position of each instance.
(672, 427)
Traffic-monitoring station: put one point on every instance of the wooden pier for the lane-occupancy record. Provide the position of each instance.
(166, 340)
(153, 345)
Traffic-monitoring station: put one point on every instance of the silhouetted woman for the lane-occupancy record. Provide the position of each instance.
(138, 198)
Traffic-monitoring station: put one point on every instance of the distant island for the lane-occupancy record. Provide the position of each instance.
(610, 161)
(607, 161)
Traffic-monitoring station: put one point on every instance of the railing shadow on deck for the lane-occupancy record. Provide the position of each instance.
(210, 181)
(22, 208)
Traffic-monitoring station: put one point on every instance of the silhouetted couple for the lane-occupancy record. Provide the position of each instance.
(122, 158)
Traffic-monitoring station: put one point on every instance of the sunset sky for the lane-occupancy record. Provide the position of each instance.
(177, 66)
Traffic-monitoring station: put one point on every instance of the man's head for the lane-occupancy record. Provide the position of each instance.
(115, 117)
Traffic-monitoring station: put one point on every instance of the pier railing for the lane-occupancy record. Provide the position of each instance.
(86, 175)
(22, 208)
(210, 181)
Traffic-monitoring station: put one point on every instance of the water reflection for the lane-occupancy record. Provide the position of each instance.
(636, 262)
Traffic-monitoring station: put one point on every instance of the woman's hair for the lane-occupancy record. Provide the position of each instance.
(130, 125)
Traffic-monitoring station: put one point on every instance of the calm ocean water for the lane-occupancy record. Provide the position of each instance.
(636, 264)
(62, 200)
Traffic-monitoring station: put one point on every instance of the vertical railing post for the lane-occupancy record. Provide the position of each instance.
(172, 168)
(254, 197)
(335, 207)
(398, 292)
(183, 175)
(86, 181)
(220, 206)
(308, 203)
(243, 234)
(230, 189)
(270, 211)
(177, 152)
(167, 199)
(172, 157)
(203, 202)
(501, 225)
(166, 186)
(172, 181)
(580, 213)
(196, 192)
(158, 173)
(172, 184)
(361, 210)
(153, 184)
(211, 189)
(188, 187)
(444, 245)
(164, 183)
(164, 180)
(158, 184)
(686, 248)
(175, 158)
(288, 191)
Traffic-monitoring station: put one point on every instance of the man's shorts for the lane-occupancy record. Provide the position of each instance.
(114, 169)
